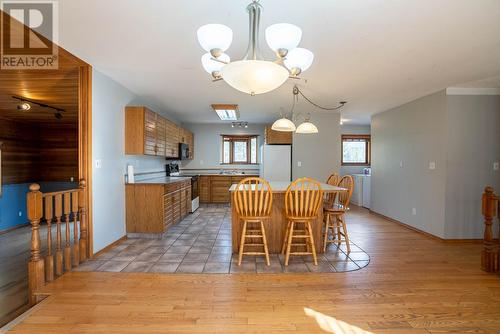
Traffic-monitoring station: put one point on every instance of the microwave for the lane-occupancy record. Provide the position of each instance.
(183, 151)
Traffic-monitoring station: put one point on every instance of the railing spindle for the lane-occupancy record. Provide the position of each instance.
(59, 253)
(49, 259)
(83, 221)
(74, 212)
(36, 275)
(488, 255)
(67, 245)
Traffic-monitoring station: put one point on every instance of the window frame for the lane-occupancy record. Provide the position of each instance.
(366, 139)
(239, 138)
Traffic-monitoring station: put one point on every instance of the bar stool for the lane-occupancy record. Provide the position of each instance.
(302, 202)
(333, 180)
(334, 214)
(253, 200)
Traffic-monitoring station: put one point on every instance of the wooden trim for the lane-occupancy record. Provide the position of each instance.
(85, 144)
(13, 228)
(111, 245)
(238, 138)
(368, 152)
(427, 234)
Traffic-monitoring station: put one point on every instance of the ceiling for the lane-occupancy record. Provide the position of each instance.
(374, 54)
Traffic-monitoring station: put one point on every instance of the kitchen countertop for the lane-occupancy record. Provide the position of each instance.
(281, 187)
(162, 180)
(218, 174)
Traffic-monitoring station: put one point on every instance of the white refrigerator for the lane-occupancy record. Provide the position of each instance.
(276, 162)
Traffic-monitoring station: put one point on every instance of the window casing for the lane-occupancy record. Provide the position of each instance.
(356, 150)
(239, 149)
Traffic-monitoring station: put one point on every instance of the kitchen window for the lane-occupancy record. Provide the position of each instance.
(356, 150)
(239, 150)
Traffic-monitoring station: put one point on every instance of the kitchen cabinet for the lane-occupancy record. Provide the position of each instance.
(215, 188)
(148, 133)
(273, 137)
(361, 191)
(152, 208)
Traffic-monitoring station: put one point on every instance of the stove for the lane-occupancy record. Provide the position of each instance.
(172, 169)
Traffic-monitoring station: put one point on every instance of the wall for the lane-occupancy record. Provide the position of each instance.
(347, 129)
(412, 134)
(319, 153)
(58, 152)
(208, 145)
(108, 137)
(473, 144)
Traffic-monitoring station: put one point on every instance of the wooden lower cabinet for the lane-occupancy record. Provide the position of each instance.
(152, 208)
(215, 188)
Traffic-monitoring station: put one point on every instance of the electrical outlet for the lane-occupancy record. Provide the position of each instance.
(414, 211)
(98, 163)
(496, 166)
(202, 162)
(299, 163)
(432, 165)
(20, 213)
(72, 179)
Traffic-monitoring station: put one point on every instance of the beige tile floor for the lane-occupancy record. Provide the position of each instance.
(201, 243)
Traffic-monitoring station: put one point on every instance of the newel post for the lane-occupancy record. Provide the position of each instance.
(36, 270)
(83, 221)
(488, 254)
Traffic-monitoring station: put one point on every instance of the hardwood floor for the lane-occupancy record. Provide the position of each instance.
(413, 284)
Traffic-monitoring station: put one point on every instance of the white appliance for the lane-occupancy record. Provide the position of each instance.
(367, 191)
(362, 190)
(276, 163)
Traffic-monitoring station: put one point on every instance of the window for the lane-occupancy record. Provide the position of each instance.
(356, 150)
(239, 149)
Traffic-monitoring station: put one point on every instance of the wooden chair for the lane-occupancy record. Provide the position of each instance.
(333, 180)
(253, 200)
(334, 214)
(303, 199)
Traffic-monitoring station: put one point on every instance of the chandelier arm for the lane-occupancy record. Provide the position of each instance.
(296, 91)
(219, 61)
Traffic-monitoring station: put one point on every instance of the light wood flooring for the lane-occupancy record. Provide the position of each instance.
(413, 284)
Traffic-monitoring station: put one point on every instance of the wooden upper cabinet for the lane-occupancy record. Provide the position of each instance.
(147, 133)
(278, 137)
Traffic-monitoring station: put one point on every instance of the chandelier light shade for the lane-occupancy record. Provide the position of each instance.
(299, 60)
(254, 76)
(213, 66)
(215, 37)
(307, 127)
(283, 124)
(282, 37)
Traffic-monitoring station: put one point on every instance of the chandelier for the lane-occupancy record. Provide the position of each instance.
(253, 74)
(306, 127)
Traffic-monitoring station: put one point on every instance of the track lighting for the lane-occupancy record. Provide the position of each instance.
(25, 105)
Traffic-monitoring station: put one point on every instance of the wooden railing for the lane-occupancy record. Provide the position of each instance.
(490, 256)
(60, 208)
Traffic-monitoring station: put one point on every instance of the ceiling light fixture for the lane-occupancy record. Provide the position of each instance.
(227, 112)
(239, 125)
(287, 125)
(25, 105)
(253, 74)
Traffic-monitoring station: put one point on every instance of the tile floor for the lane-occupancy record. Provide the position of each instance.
(201, 243)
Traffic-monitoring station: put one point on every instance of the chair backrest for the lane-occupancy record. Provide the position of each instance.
(333, 180)
(253, 197)
(344, 197)
(303, 198)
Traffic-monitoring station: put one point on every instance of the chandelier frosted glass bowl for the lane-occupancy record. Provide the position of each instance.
(253, 74)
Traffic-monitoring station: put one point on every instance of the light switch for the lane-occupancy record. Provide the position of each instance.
(299, 163)
(98, 163)
(414, 211)
(401, 164)
(496, 166)
(432, 165)
(202, 162)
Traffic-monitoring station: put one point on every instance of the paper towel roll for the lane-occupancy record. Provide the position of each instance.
(130, 174)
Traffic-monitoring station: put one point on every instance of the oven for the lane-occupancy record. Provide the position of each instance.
(172, 169)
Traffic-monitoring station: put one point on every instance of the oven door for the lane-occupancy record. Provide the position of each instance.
(194, 187)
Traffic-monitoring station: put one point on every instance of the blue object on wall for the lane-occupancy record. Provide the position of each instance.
(13, 202)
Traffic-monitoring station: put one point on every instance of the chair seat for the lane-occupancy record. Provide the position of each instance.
(335, 208)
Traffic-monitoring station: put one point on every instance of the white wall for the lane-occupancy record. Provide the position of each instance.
(413, 134)
(208, 144)
(319, 153)
(473, 144)
(348, 129)
(108, 145)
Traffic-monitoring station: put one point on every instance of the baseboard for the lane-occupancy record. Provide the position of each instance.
(111, 245)
(10, 229)
(427, 234)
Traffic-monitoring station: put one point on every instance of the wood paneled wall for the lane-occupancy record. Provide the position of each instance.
(38, 152)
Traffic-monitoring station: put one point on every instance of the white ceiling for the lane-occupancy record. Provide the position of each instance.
(375, 54)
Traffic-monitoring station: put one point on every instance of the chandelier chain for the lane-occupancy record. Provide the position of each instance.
(297, 91)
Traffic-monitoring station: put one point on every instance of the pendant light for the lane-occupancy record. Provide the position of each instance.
(283, 124)
(307, 127)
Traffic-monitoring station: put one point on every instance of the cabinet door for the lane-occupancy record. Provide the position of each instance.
(172, 140)
(204, 189)
(150, 147)
(168, 210)
(190, 142)
(278, 137)
(161, 131)
(177, 207)
(219, 186)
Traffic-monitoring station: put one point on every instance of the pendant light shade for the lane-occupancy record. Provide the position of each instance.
(254, 76)
(283, 124)
(211, 65)
(215, 37)
(299, 58)
(307, 127)
(283, 36)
